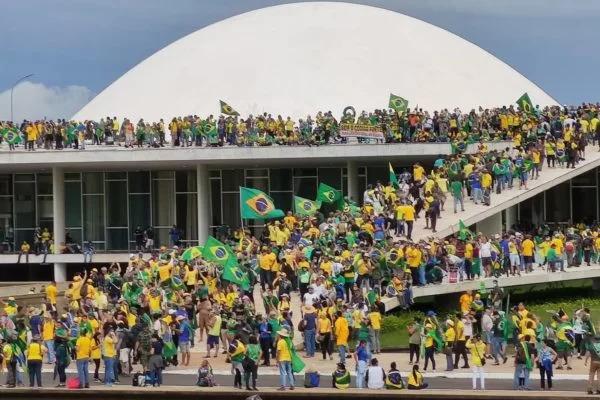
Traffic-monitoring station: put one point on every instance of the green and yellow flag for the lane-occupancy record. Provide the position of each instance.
(463, 232)
(327, 194)
(398, 104)
(255, 204)
(227, 109)
(217, 252)
(11, 135)
(305, 207)
(525, 104)
(393, 178)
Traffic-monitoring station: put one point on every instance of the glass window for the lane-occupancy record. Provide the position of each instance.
(6, 184)
(331, 177)
(305, 187)
(558, 203)
(45, 212)
(139, 210)
(232, 179)
(258, 183)
(215, 200)
(6, 214)
(305, 172)
(283, 200)
(362, 170)
(24, 205)
(72, 176)
(185, 181)
(75, 235)
(587, 179)
(93, 218)
(116, 175)
(231, 203)
(73, 204)
(24, 177)
(25, 235)
(214, 173)
(162, 175)
(375, 174)
(44, 184)
(281, 179)
(116, 203)
(139, 182)
(257, 172)
(93, 183)
(116, 239)
(587, 206)
(163, 203)
(187, 215)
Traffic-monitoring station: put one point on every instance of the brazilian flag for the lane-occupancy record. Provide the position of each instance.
(398, 104)
(393, 178)
(218, 252)
(255, 204)
(209, 129)
(11, 135)
(525, 104)
(327, 194)
(393, 257)
(463, 232)
(351, 207)
(233, 273)
(71, 134)
(305, 207)
(227, 109)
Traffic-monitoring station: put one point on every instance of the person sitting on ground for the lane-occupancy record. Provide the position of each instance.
(341, 377)
(205, 375)
(416, 381)
(394, 379)
(375, 375)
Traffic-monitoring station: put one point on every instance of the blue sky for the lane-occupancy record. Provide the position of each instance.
(76, 48)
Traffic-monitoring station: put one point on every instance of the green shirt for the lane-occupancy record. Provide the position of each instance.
(253, 352)
(456, 188)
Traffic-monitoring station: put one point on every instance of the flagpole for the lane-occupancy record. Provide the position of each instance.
(241, 217)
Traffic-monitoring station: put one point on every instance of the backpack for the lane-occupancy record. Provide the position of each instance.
(138, 379)
(312, 379)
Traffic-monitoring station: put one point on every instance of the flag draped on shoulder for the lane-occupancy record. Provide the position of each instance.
(525, 104)
(393, 178)
(397, 103)
(327, 194)
(227, 109)
(255, 204)
(305, 207)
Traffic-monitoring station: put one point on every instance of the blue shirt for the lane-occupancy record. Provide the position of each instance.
(362, 354)
(311, 321)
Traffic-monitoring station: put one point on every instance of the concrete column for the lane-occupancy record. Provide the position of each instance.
(58, 229)
(511, 216)
(203, 188)
(490, 225)
(352, 183)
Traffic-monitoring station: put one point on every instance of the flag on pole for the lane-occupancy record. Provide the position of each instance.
(327, 194)
(393, 177)
(398, 104)
(525, 104)
(227, 109)
(463, 232)
(255, 204)
(11, 135)
(305, 207)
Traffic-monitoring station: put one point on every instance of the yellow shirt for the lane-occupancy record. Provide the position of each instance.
(283, 351)
(154, 303)
(375, 318)
(327, 266)
(164, 272)
(559, 245)
(418, 172)
(267, 261)
(528, 247)
(450, 334)
(51, 294)
(35, 351)
(96, 351)
(341, 331)
(108, 347)
(477, 352)
(324, 325)
(83, 347)
(460, 330)
(48, 330)
(409, 212)
(191, 277)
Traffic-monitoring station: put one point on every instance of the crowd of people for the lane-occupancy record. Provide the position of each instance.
(416, 125)
(342, 263)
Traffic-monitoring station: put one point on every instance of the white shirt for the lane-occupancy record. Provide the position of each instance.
(309, 299)
(375, 375)
(485, 250)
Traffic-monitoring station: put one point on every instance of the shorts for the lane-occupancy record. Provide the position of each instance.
(528, 259)
(184, 347)
(212, 340)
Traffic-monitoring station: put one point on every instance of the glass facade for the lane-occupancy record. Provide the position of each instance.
(106, 207)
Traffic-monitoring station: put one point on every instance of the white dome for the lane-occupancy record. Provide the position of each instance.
(296, 59)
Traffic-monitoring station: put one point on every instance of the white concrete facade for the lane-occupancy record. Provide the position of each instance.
(322, 56)
(58, 209)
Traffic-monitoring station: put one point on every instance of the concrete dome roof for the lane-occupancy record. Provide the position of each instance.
(296, 59)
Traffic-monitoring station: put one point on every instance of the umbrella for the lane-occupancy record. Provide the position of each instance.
(191, 253)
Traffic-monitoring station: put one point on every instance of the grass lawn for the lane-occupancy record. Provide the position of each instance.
(541, 301)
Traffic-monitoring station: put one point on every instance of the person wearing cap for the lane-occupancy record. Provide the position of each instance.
(284, 360)
(35, 353)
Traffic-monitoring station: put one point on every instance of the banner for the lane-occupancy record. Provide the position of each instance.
(363, 131)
